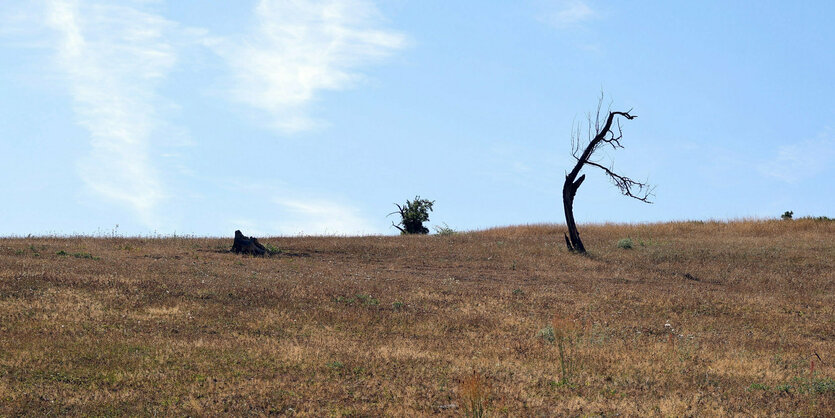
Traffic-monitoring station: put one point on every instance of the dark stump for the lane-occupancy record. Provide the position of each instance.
(247, 245)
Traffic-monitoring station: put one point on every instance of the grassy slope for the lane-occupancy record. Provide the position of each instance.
(423, 325)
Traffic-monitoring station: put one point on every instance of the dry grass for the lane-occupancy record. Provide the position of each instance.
(697, 319)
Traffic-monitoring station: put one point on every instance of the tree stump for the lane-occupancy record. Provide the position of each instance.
(247, 245)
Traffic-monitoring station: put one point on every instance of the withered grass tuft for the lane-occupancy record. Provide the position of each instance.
(712, 318)
(474, 395)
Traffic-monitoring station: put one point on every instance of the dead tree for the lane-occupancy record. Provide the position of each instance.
(247, 245)
(601, 132)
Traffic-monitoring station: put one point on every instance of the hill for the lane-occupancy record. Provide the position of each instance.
(697, 318)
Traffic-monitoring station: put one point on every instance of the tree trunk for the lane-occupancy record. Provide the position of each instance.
(247, 245)
(569, 189)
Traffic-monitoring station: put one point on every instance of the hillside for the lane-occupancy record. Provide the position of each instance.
(698, 318)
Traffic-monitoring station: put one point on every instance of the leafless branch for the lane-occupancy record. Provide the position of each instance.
(628, 187)
(609, 131)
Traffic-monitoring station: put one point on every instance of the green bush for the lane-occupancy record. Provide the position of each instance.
(412, 216)
(445, 230)
(547, 334)
(368, 299)
(625, 243)
(787, 215)
(272, 249)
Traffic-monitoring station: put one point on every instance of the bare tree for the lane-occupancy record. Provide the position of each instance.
(601, 132)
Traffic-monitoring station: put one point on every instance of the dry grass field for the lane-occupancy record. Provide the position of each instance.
(697, 319)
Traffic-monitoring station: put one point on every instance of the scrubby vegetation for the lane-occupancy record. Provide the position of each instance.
(413, 214)
(712, 318)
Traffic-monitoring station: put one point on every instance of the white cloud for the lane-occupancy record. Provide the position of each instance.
(563, 14)
(113, 56)
(320, 217)
(801, 160)
(300, 47)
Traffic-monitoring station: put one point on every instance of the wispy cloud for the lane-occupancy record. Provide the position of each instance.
(801, 160)
(563, 14)
(286, 210)
(300, 47)
(113, 56)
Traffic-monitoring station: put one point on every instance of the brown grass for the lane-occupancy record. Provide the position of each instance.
(698, 318)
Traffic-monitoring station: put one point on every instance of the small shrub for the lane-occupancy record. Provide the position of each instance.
(335, 365)
(517, 292)
(345, 300)
(272, 249)
(547, 334)
(822, 386)
(398, 306)
(787, 215)
(78, 255)
(368, 300)
(444, 230)
(86, 255)
(758, 386)
(625, 243)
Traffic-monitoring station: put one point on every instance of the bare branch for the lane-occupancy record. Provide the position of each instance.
(626, 185)
(399, 210)
(394, 225)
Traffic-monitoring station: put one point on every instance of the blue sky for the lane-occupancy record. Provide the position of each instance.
(313, 117)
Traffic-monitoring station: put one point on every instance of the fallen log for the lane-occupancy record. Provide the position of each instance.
(247, 245)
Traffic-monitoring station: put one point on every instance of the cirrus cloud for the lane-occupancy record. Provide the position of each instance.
(112, 57)
(298, 48)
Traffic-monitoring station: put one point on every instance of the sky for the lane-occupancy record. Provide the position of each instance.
(284, 117)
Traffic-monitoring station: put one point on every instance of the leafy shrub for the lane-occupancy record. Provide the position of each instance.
(547, 334)
(412, 216)
(625, 243)
(272, 249)
(368, 299)
(787, 215)
(88, 256)
(335, 365)
(445, 230)
(757, 386)
(342, 299)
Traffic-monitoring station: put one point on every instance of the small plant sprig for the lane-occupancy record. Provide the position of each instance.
(566, 336)
(444, 230)
(474, 395)
(272, 249)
